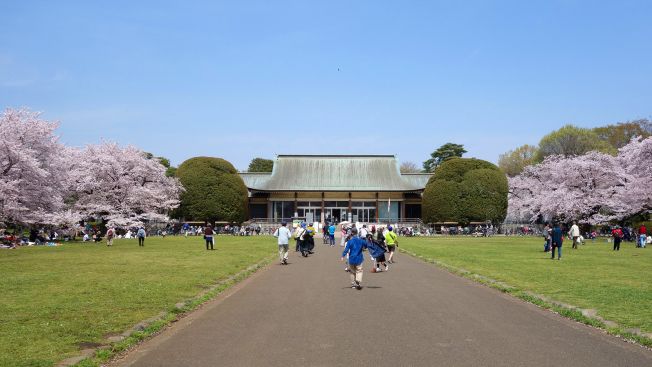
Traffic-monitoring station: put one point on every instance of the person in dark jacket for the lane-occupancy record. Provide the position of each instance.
(377, 252)
(557, 238)
(208, 237)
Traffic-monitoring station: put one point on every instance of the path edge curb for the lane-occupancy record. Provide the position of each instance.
(584, 316)
(151, 327)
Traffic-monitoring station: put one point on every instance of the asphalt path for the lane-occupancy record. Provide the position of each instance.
(306, 314)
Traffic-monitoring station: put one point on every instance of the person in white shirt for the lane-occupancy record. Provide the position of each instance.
(363, 231)
(574, 233)
(283, 234)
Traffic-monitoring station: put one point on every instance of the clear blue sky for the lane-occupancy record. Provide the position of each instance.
(242, 79)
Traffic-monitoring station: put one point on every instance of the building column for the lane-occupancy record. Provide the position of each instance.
(402, 208)
(323, 215)
(350, 209)
(295, 204)
(268, 209)
(377, 211)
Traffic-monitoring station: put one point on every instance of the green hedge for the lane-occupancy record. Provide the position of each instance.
(214, 191)
(466, 190)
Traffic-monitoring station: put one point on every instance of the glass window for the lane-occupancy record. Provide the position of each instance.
(363, 204)
(390, 215)
(336, 204)
(282, 209)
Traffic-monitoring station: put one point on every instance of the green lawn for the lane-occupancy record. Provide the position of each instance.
(616, 284)
(54, 300)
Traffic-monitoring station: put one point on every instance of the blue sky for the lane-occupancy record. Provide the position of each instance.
(243, 79)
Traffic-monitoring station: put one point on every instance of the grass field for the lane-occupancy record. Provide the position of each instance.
(57, 300)
(616, 284)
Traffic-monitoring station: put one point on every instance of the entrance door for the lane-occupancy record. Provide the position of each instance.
(335, 215)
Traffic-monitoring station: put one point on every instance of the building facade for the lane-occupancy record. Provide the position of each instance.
(335, 188)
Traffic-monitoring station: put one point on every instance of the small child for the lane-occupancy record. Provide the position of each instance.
(377, 252)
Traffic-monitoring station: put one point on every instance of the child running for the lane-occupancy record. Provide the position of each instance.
(377, 252)
(391, 240)
(353, 249)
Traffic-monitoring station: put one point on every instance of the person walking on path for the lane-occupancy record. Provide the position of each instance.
(301, 234)
(557, 240)
(310, 238)
(363, 231)
(353, 249)
(298, 232)
(574, 233)
(345, 234)
(331, 234)
(617, 234)
(391, 240)
(642, 236)
(324, 232)
(380, 237)
(208, 236)
(110, 234)
(283, 234)
(141, 234)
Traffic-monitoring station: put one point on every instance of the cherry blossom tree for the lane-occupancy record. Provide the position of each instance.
(592, 188)
(123, 186)
(636, 159)
(32, 168)
(45, 182)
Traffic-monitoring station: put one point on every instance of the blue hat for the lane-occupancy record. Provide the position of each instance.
(303, 224)
(389, 228)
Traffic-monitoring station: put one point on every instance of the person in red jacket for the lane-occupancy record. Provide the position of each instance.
(642, 235)
(617, 234)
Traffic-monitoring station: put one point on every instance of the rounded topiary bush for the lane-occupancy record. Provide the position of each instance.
(439, 204)
(213, 191)
(466, 190)
(454, 169)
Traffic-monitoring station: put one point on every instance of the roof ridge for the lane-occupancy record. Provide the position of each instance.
(338, 155)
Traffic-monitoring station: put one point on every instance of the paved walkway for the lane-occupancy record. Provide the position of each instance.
(305, 314)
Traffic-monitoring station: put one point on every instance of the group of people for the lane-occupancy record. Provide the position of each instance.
(554, 238)
(641, 241)
(376, 241)
(112, 233)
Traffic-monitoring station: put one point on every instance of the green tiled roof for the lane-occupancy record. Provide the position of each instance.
(335, 173)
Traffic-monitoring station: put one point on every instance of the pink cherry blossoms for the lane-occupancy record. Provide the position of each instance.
(42, 181)
(593, 188)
